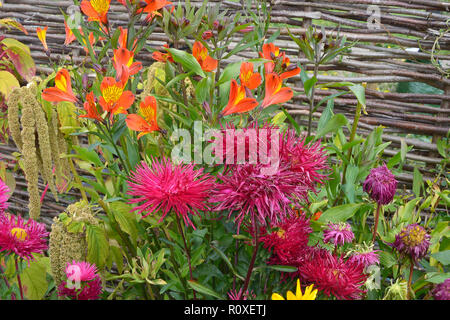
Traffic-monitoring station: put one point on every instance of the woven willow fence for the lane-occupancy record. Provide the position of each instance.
(399, 45)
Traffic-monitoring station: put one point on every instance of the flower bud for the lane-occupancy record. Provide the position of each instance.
(207, 35)
(185, 22)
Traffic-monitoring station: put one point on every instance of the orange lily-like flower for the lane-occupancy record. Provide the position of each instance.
(114, 99)
(42, 35)
(124, 65)
(200, 53)
(153, 6)
(147, 123)
(280, 63)
(91, 108)
(70, 37)
(238, 102)
(123, 38)
(62, 91)
(249, 79)
(96, 10)
(163, 57)
(275, 94)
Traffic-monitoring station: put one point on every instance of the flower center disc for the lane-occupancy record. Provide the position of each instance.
(19, 233)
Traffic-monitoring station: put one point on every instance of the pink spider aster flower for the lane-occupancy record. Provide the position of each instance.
(364, 254)
(22, 237)
(288, 240)
(333, 275)
(263, 186)
(83, 282)
(168, 187)
(380, 184)
(4, 196)
(338, 233)
(412, 241)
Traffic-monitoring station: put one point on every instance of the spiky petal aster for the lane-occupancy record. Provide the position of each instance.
(288, 240)
(338, 233)
(412, 241)
(4, 196)
(83, 282)
(380, 184)
(364, 254)
(334, 275)
(170, 188)
(21, 237)
(442, 290)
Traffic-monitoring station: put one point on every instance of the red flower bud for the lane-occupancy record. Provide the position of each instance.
(207, 35)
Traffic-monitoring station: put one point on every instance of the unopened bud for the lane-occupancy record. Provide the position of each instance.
(185, 22)
(97, 68)
(207, 35)
(207, 107)
(142, 4)
(291, 67)
(216, 24)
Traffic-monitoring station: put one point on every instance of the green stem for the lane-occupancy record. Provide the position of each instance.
(19, 282)
(252, 263)
(377, 216)
(411, 269)
(188, 253)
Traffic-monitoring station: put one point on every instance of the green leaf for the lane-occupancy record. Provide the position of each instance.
(7, 83)
(340, 213)
(187, 60)
(437, 277)
(88, 155)
(204, 290)
(98, 246)
(282, 268)
(20, 56)
(443, 257)
(34, 279)
(227, 261)
(202, 89)
(336, 122)
(125, 218)
(417, 181)
(387, 259)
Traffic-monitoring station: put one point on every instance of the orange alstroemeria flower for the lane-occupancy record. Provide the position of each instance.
(153, 6)
(163, 57)
(91, 108)
(200, 53)
(238, 102)
(124, 65)
(42, 35)
(96, 10)
(114, 100)
(280, 63)
(147, 122)
(275, 94)
(249, 79)
(70, 37)
(62, 91)
(123, 38)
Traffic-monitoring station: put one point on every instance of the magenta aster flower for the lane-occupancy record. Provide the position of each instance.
(288, 240)
(380, 184)
(22, 238)
(364, 254)
(412, 241)
(235, 295)
(4, 196)
(308, 160)
(83, 282)
(168, 187)
(333, 275)
(442, 290)
(338, 233)
(247, 192)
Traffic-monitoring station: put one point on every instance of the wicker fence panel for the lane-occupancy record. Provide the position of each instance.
(398, 50)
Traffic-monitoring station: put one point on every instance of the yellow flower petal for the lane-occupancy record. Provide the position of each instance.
(276, 296)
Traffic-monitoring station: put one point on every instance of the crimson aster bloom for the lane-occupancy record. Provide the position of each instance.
(380, 184)
(288, 240)
(83, 282)
(21, 237)
(338, 233)
(412, 241)
(308, 160)
(333, 275)
(170, 188)
(4, 196)
(442, 290)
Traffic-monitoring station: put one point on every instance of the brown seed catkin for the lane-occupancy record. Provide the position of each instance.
(13, 116)
(30, 163)
(65, 246)
(45, 147)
